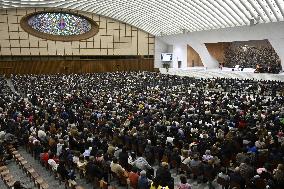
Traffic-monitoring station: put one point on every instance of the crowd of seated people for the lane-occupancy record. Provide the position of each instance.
(263, 59)
(123, 124)
(8, 101)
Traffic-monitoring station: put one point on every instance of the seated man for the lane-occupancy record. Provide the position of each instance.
(195, 166)
(116, 168)
(142, 164)
(195, 162)
(236, 177)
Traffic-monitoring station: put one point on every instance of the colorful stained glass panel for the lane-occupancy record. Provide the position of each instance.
(57, 23)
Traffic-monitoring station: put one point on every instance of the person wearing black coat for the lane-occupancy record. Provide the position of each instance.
(62, 171)
(163, 175)
(123, 158)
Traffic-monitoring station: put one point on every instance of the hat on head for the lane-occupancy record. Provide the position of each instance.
(164, 164)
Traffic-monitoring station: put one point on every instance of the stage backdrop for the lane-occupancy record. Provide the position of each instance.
(113, 38)
(193, 58)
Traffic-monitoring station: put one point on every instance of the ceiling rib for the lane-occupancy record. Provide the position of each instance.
(167, 16)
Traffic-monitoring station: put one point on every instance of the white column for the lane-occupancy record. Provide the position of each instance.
(180, 54)
(160, 47)
(207, 60)
(278, 45)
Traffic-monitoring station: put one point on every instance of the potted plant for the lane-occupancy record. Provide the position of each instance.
(166, 65)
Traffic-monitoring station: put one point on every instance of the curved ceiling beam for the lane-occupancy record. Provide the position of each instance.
(167, 16)
(272, 8)
(265, 9)
(280, 7)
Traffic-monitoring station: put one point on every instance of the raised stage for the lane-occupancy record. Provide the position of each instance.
(200, 72)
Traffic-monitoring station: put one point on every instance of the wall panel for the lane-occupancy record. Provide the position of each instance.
(113, 38)
(217, 50)
(193, 58)
(75, 66)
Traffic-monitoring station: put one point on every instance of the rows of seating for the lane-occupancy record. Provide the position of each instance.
(214, 73)
(7, 177)
(29, 170)
(72, 184)
(106, 119)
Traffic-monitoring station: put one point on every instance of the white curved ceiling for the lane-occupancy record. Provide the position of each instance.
(165, 17)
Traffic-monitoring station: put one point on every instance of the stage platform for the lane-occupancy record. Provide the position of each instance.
(200, 72)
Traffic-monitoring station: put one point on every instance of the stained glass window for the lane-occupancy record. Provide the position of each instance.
(58, 23)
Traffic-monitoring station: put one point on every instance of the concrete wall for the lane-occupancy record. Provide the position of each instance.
(160, 47)
(271, 31)
(180, 54)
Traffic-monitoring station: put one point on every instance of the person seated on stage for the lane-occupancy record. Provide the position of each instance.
(237, 67)
(269, 69)
(221, 66)
(257, 68)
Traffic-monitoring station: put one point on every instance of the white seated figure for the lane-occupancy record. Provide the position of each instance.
(237, 67)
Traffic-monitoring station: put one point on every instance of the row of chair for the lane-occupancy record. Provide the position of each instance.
(7, 177)
(70, 184)
(28, 169)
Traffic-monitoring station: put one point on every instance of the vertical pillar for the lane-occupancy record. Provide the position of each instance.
(278, 45)
(180, 54)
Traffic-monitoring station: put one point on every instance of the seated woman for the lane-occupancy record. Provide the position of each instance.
(183, 183)
(44, 157)
(81, 164)
(53, 162)
(143, 181)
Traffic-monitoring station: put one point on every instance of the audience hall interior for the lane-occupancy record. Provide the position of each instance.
(112, 94)
(143, 129)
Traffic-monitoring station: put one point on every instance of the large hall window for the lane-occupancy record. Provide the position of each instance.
(62, 26)
(57, 23)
